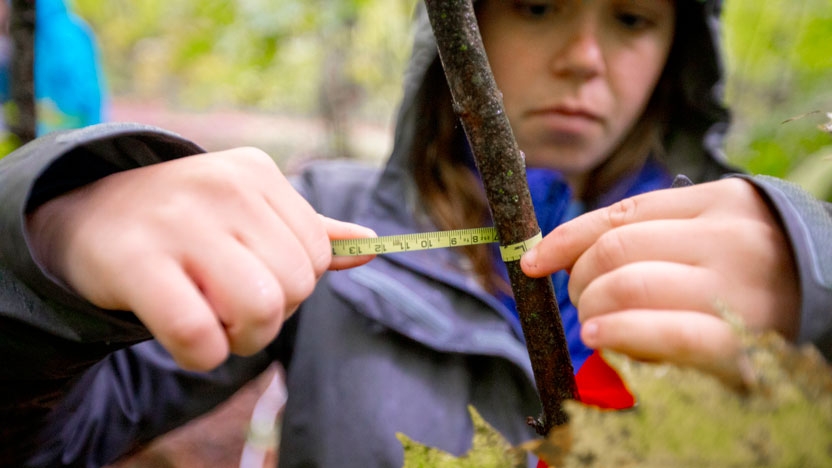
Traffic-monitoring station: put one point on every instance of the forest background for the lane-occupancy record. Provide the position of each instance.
(316, 78)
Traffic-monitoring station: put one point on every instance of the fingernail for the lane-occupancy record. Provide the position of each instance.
(590, 333)
(530, 258)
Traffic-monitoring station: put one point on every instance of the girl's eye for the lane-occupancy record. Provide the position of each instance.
(534, 9)
(537, 10)
(633, 21)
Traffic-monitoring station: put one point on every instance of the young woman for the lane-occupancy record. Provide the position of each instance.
(607, 98)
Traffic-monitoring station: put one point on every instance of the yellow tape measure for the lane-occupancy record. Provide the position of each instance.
(431, 240)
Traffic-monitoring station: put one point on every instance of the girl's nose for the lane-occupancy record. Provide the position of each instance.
(580, 54)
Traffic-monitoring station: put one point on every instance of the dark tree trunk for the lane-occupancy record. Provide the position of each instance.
(22, 116)
(501, 164)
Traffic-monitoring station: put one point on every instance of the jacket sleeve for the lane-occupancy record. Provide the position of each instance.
(39, 171)
(49, 336)
(131, 397)
(808, 224)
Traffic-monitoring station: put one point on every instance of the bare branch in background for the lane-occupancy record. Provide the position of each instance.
(21, 116)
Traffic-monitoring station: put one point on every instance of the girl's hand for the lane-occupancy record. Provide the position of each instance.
(650, 274)
(212, 252)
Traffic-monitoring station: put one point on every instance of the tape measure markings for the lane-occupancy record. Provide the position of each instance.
(430, 240)
(513, 252)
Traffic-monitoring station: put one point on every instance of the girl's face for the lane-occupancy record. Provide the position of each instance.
(575, 74)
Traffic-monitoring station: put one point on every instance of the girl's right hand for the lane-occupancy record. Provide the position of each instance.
(212, 252)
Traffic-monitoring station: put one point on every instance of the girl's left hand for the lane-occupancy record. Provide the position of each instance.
(651, 274)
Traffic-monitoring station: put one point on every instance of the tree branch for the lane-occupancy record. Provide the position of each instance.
(502, 167)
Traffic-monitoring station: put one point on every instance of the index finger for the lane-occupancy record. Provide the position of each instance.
(562, 247)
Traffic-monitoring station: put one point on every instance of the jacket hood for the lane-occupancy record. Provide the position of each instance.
(699, 120)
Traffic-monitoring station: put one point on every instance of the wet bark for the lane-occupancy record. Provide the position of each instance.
(479, 105)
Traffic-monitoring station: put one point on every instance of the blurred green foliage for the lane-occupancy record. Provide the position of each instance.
(261, 54)
(780, 87)
(275, 55)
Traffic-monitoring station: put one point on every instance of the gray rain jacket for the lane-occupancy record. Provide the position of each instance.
(402, 344)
